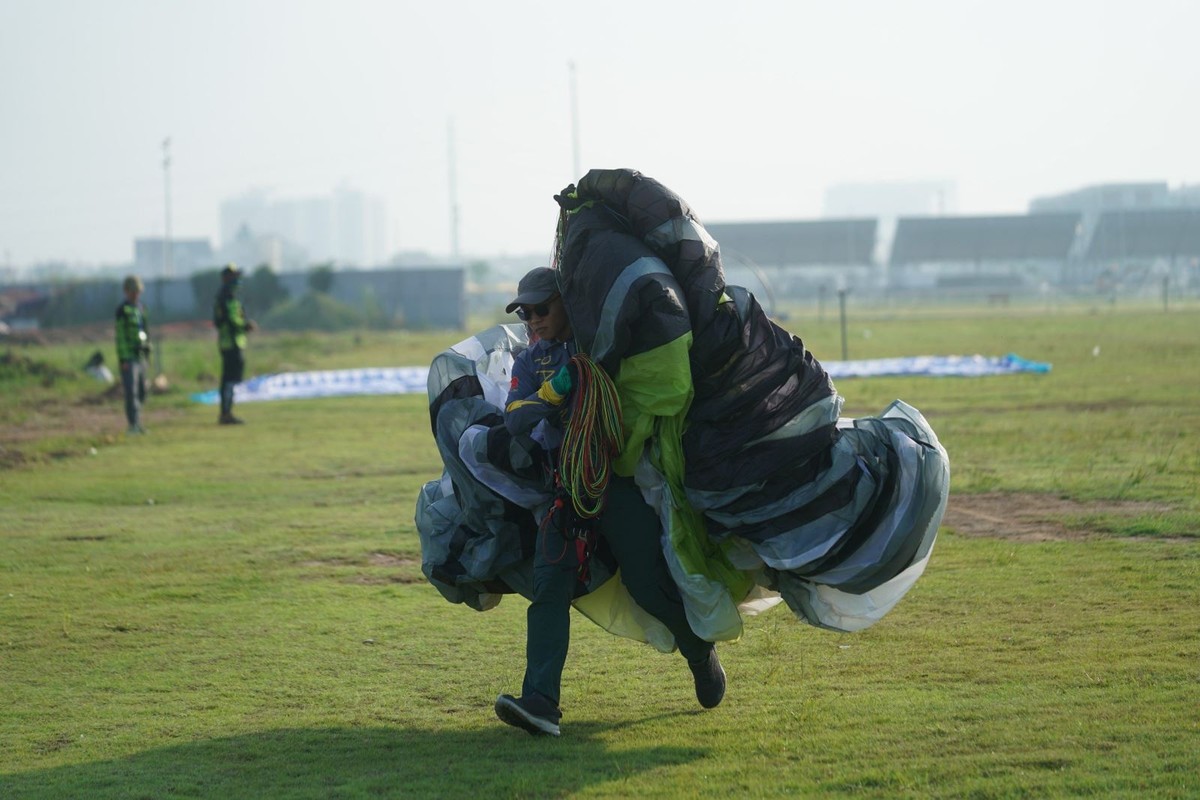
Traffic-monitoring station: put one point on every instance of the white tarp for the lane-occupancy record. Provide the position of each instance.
(412, 380)
(325, 383)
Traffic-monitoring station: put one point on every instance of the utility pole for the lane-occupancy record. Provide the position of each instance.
(167, 266)
(453, 177)
(576, 174)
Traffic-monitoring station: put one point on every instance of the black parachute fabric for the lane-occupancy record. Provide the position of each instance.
(750, 377)
(764, 456)
(732, 432)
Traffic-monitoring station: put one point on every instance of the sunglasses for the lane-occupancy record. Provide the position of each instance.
(526, 313)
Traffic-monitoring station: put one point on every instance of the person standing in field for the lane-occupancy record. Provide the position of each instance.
(133, 347)
(542, 379)
(229, 317)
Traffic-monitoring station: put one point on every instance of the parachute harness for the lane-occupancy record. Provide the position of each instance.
(591, 441)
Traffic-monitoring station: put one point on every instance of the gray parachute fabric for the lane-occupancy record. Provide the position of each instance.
(733, 433)
(477, 522)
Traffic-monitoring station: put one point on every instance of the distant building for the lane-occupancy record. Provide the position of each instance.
(798, 256)
(888, 201)
(187, 256)
(347, 227)
(250, 250)
(1091, 200)
(1146, 236)
(996, 253)
(891, 199)
(1131, 230)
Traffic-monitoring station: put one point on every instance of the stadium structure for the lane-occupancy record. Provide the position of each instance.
(1126, 239)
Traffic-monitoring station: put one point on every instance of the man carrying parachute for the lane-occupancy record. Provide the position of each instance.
(603, 507)
(730, 429)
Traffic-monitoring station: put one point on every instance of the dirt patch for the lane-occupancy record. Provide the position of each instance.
(379, 580)
(373, 560)
(102, 418)
(405, 569)
(1032, 517)
(79, 418)
(391, 560)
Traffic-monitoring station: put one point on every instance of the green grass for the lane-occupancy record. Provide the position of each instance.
(239, 612)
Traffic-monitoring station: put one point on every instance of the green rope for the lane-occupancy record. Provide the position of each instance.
(592, 439)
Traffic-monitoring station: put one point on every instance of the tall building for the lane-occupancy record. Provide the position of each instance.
(347, 226)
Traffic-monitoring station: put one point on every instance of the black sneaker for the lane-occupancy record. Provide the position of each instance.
(535, 713)
(710, 679)
(230, 419)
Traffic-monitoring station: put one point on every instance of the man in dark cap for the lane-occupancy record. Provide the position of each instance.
(232, 326)
(540, 307)
(541, 383)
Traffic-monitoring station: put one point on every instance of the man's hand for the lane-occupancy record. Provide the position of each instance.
(561, 382)
(566, 379)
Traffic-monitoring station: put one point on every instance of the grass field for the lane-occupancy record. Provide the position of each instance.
(239, 612)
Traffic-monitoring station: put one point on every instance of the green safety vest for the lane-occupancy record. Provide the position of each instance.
(133, 337)
(230, 319)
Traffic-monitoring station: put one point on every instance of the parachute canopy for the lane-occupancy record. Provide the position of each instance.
(732, 429)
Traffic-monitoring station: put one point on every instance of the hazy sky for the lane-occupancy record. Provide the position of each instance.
(749, 110)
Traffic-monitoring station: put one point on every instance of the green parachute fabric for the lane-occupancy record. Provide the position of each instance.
(655, 391)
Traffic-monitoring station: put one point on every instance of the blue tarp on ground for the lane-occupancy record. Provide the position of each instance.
(412, 380)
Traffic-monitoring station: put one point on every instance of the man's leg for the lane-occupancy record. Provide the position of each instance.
(226, 388)
(232, 367)
(547, 635)
(129, 385)
(142, 367)
(237, 366)
(548, 621)
(632, 530)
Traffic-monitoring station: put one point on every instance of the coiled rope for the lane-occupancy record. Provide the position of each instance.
(592, 438)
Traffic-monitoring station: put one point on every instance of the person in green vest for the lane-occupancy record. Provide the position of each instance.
(133, 347)
(232, 326)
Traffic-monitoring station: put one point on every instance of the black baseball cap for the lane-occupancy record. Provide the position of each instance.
(538, 286)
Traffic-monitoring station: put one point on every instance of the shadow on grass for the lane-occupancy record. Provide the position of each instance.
(497, 762)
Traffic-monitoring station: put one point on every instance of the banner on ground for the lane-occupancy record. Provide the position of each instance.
(412, 380)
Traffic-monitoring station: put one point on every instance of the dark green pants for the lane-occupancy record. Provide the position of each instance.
(632, 530)
(233, 366)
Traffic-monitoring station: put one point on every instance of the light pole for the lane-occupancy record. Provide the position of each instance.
(166, 147)
(452, 169)
(574, 123)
